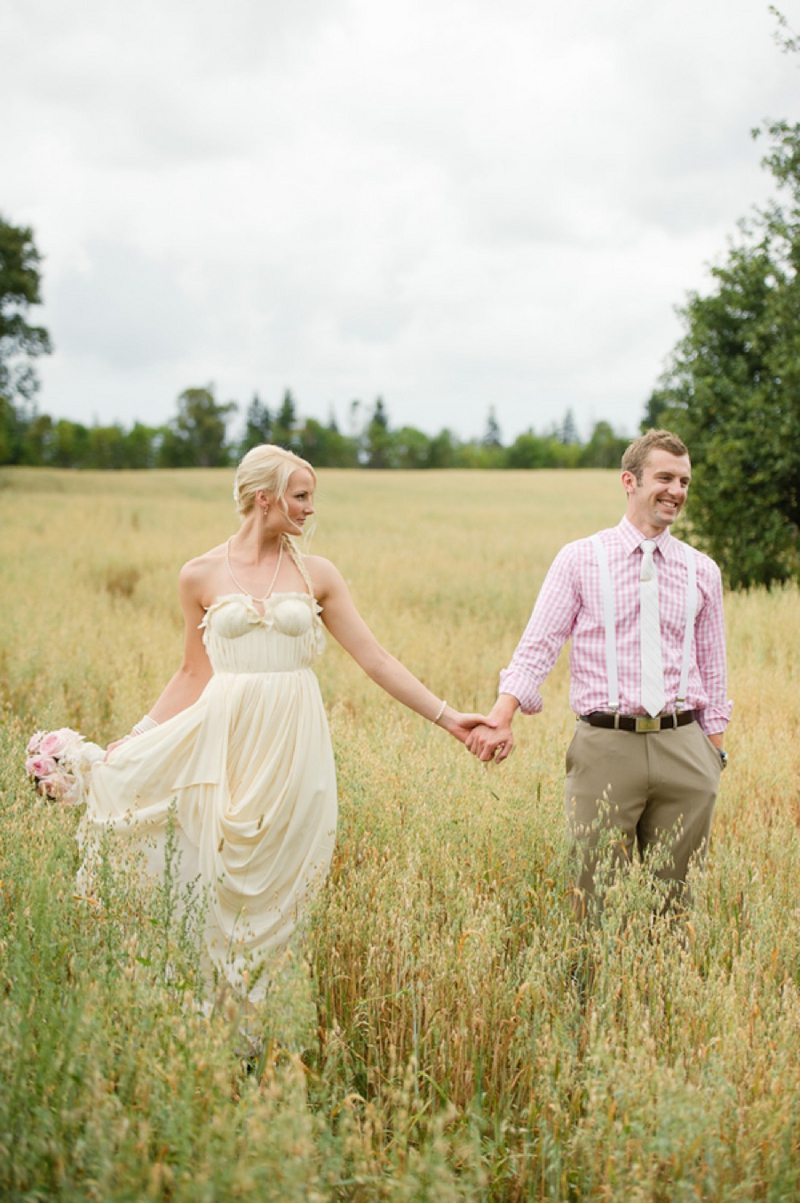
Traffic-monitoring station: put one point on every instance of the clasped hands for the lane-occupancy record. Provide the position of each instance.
(487, 738)
(490, 742)
(493, 740)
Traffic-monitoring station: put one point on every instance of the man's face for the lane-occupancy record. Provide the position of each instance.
(654, 504)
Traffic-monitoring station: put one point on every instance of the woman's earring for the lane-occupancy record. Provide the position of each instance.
(266, 510)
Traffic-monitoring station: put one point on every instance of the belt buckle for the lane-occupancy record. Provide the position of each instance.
(645, 723)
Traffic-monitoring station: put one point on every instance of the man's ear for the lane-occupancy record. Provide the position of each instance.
(628, 482)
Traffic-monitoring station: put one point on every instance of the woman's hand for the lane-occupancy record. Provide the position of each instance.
(460, 725)
(116, 744)
(493, 742)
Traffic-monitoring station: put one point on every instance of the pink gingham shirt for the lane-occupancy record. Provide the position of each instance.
(570, 605)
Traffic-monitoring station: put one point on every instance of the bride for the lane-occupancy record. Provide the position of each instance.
(237, 747)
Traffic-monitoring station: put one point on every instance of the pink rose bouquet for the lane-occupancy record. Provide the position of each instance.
(60, 764)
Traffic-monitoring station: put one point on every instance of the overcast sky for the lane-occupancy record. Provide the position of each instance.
(455, 204)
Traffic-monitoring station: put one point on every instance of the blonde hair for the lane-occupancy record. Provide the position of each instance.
(265, 467)
(269, 467)
(637, 453)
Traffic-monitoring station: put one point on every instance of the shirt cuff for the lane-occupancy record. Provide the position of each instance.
(514, 682)
(714, 719)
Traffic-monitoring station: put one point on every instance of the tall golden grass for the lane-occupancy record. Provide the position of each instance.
(466, 1040)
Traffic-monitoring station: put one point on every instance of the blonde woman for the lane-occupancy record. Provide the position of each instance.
(237, 745)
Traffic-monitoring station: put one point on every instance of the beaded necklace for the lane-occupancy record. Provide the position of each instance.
(240, 586)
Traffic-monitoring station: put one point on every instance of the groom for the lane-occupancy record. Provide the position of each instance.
(647, 672)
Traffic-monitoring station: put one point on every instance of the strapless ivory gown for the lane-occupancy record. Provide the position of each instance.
(248, 773)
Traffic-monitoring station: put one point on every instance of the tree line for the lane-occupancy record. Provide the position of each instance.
(198, 437)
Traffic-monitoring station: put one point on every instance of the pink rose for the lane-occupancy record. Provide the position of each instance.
(35, 740)
(56, 743)
(40, 766)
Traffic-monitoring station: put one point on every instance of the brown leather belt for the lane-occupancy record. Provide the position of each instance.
(638, 722)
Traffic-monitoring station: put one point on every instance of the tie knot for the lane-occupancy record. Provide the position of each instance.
(648, 546)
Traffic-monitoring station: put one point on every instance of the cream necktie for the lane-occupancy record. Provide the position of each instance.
(650, 633)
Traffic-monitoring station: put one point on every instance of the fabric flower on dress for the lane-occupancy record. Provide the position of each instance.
(292, 614)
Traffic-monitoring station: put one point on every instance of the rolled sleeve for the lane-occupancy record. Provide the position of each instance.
(514, 681)
(710, 651)
(548, 629)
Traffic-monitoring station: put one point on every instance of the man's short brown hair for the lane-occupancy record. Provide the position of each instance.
(637, 452)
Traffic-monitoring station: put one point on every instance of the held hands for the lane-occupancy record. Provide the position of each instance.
(460, 725)
(491, 742)
(494, 740)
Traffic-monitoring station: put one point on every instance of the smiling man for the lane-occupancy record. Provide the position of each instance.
(647, 669)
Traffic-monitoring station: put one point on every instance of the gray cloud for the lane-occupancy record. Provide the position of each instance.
(452, 204)
(125, 310)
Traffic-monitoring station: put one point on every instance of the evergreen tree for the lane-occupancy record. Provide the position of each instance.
(258, 425)
(377, 438)
(568, 432)
(283, 427)
(492, 437)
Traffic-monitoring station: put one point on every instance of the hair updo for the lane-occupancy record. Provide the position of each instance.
(266, 467)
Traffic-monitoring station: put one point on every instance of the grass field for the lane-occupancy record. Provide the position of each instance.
(426, 1040)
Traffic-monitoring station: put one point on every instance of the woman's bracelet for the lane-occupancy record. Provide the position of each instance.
(440, 712)
(146, 723)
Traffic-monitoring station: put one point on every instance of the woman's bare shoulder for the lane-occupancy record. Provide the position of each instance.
(197, 571)
(324, 573)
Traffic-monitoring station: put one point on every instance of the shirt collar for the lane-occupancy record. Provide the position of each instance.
(631, 538)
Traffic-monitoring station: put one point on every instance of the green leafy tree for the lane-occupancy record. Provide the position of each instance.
(326, 446)
(604, 449)
(732, 389)
(196, 438)
(36, 441)
(410, 448)
(656, 410)
(531, 450)
(12, 430)
(443, 450)
(476, 454)
(19, 289)
(68, 446)
(107, 447)
(140, 446)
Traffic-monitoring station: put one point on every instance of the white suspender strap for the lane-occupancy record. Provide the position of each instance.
(688, 632)
(609, 620)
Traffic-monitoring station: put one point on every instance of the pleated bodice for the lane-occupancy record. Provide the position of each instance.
(288, 636)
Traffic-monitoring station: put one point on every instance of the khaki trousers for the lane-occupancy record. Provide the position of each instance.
(651, 788)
